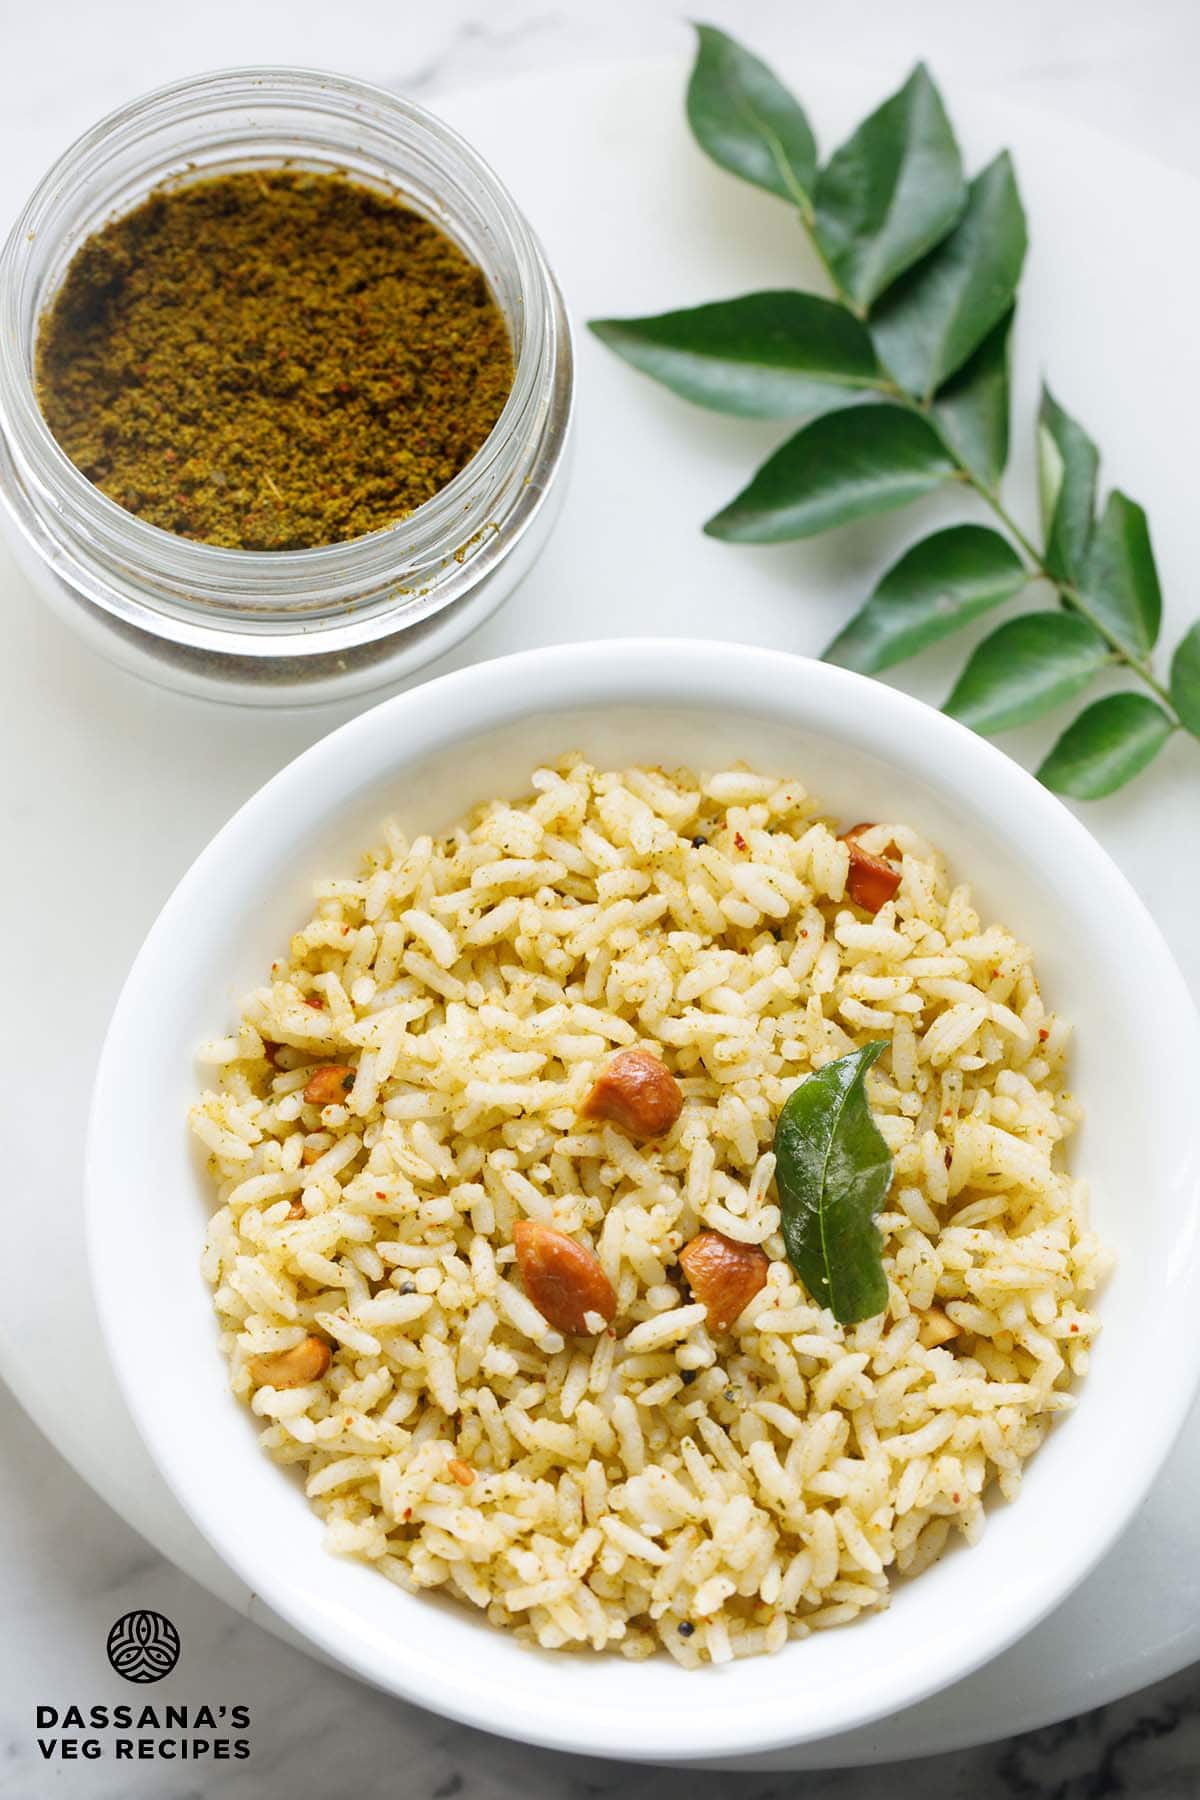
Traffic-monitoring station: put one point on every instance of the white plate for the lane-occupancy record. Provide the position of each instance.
(110, 787)
(430, 755)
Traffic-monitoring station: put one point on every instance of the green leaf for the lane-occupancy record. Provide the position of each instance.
(893, 190)
(1068, 464)
(1185, 680)
(843, 466)
(1109, 743)
(971, 410)
(927, 326)
(832, 1172)
(939, 585)
(747, 121)
(768, 356)
(1119, 577)
(1026, 667)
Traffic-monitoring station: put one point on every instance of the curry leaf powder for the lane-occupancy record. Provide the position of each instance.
(272, 360)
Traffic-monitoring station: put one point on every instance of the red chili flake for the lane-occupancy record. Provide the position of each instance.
(316, 1002)
(956, 1499)
(408, 1512)
(1074, 1328)
(739, 840)
(1043, 1034)
(345, 931)
(379, 1194)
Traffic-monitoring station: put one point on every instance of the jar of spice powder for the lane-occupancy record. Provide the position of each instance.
(292, 626)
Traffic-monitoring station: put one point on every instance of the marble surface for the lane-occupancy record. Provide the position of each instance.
(69, 1567)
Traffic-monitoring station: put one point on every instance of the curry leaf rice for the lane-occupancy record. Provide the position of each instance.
(655, 1438)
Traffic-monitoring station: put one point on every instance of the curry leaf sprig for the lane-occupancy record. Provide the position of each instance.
(902, 381)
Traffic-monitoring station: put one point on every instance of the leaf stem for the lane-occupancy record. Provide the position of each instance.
(1035, 558)
(1140, 666)
(808, 220)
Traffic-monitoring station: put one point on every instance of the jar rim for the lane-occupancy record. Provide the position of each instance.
(200, 577)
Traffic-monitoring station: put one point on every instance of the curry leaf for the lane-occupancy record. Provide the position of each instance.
(832, 1172)
(1025, 667)
(1119, 576)
(940, 584)
(1108, 744)
(1068, 464)
(843, 466)
(902, 384)
(770, 356)
(892, 191)
(937, 315)
(1185, 680)
(971, 410)
(747, 121)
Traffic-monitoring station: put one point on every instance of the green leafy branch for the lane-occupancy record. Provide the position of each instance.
(902, 380)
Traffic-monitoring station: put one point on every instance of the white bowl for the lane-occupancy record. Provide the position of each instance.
(867, 751)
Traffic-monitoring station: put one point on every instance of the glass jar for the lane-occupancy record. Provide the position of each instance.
(296, 626)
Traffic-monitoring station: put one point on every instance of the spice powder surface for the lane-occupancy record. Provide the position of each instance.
(272, 360)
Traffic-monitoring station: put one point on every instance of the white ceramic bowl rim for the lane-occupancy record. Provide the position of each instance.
(716, 1713)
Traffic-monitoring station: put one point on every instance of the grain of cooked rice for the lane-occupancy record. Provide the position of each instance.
(654, 1485)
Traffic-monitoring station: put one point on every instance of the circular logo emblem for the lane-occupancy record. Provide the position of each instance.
(143, 1646)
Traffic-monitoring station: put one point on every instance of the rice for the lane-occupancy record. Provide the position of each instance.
(650, 1485)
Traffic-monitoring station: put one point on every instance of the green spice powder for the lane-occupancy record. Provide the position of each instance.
(272, 361)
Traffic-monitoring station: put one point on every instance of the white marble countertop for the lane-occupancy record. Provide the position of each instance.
(68, 1567)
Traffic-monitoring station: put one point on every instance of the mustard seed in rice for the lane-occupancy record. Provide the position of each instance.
(653, 1484)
